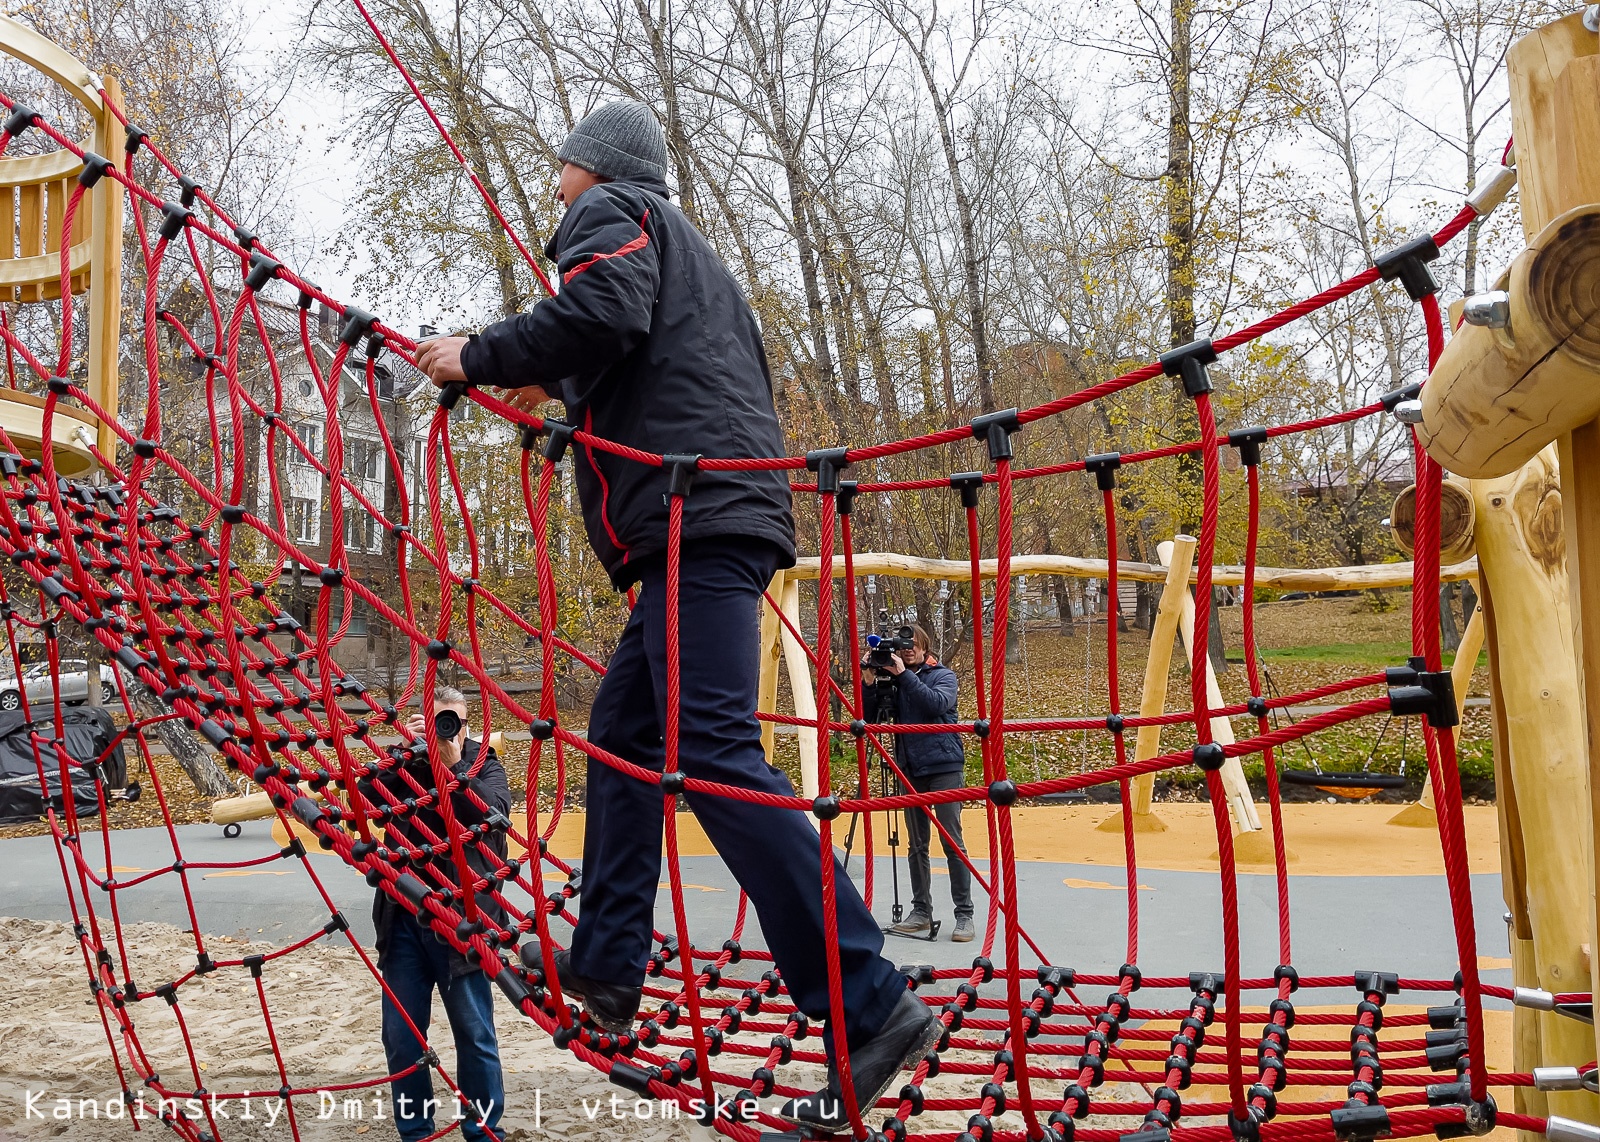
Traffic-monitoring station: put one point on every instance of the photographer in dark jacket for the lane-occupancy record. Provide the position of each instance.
(924, 692)
(650, 343)
(412, 960)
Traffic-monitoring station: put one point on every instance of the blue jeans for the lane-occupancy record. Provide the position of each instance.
(414, 963)
(775, 854)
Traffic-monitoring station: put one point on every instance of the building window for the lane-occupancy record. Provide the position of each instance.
(362, 532)
(303, 519)
(308, 434)
(364, 458)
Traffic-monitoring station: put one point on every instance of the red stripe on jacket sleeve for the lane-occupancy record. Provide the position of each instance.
(622, 251)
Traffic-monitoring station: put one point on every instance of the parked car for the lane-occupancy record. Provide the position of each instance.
(36, 681)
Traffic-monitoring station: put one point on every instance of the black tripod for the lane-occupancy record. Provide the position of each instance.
(879, 708)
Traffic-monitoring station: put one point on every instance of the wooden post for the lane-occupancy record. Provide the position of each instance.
(105, 277)
(1520, 550)
(800, 685)
(770, 651)
(1241, 806)
(1421, 813)
(1179, 557)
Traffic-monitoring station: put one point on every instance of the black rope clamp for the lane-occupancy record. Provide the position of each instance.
(95, 168)
(827, 463)
(555, 444)
(1104, 467)
(187, 189)
(1393, 400)
(357, 324)
(844, 500)
(683, 466)
(1432, 694)
(1357, 1121)
(134, 137)
(450, 394)
(262, 270)
(1188, 363)
(20, 119)
(1248, 441)
(175, 218)
(969, 484)
(1409, 263)
(995, 429)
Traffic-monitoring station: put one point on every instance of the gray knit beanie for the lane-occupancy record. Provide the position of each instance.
(619, 140)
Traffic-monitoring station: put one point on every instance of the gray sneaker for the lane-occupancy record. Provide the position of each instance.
(916, 924)
(965, 933)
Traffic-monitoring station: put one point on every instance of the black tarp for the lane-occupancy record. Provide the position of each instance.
(87, 732)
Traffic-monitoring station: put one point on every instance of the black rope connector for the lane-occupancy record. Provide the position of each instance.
(827, 463)
(134, 137)
(995, 429)
(245, 237)
(542, 729)
(844, 500)
(1433, 696)
(305, 299)
(825, 808)
(1188, 363)
(1256, 705)
(95, 168)
(1357, 1121)
(233, 513)
(262, 270)
(20, 119)
(438, 649)
(450, 394)
(683, 466)
(1248, 441)
(1393, 400)
(672, 782)
(1209, 756)
(174, 218)
(1104, 468)
(330, 577)
(969, 484)
(357, 324)
(1002, 792)
(629, 1077)
(187, 189)
(1409, 263)
(555, 445)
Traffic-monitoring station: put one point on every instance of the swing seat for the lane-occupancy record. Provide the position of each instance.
(1067, 797)
(1351, 786)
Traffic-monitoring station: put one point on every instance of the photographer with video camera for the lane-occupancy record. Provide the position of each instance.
(903, 682)
(412, 960)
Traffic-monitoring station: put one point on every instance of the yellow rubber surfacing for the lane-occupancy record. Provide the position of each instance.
(1327, 840)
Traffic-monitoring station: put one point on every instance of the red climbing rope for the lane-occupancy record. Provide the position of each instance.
(179, 564)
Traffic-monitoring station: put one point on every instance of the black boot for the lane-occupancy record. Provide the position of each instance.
(912, 1030)
(613, 1006)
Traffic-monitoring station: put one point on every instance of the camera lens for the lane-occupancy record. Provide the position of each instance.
(446, 724)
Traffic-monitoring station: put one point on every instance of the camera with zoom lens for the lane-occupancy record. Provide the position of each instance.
(446, 725)
(882, 645)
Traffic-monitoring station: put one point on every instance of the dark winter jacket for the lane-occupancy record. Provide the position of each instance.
(649, 343)
(925, 695)
(493, 790)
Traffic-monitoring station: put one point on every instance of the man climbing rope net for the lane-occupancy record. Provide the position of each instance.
(651, 344)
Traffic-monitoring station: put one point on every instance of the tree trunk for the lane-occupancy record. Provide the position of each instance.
(1214, 646)
(1449, 633)
(210, 779)
(1179, 242)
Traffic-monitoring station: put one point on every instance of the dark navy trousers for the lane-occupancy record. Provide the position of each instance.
(775, 854)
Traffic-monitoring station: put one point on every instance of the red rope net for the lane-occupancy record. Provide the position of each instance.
(163, 597)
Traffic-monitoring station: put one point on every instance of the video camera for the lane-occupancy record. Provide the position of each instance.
(881, 645)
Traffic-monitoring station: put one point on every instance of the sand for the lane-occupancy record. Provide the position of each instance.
(326, 1013)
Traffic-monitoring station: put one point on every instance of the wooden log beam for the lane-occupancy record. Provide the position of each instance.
(1153, 701)
(1497, 396)
(1369, 577)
